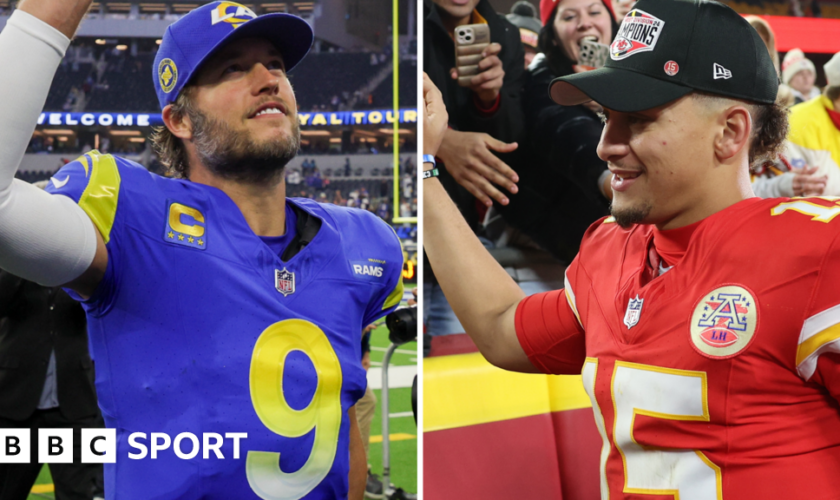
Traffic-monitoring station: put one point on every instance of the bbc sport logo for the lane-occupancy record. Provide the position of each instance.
(99, 446)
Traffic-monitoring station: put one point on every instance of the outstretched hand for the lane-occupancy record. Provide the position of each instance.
(807, 183)
(470, 160)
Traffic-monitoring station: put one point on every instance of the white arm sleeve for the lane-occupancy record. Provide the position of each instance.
(774, 187)
(43, 238)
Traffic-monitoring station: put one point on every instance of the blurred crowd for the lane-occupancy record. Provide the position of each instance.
(511, 153)
(359, 187)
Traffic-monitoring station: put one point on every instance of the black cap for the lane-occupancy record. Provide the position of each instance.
(523, 15)
(665, 49)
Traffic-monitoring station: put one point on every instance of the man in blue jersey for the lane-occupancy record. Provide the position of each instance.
(224, 318)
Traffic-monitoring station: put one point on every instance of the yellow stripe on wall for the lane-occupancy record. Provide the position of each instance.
(465, 389)
(99, 200)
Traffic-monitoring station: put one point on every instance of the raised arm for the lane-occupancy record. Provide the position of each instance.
(63, 15)
(43, 238)
(479, 290)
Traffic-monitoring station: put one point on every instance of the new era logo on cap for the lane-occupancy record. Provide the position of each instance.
(721, 72)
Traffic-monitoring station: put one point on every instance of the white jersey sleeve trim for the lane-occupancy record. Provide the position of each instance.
(44, 238)
(820, 334)
(570, 296)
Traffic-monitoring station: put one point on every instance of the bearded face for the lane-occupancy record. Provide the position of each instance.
(235, 155)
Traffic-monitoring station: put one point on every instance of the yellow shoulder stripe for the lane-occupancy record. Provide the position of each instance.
(812, 344)
(99, 200)
(396, 294)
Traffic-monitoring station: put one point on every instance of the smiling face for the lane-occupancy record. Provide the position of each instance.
(663, 161)
(575, 20)
(456, 10)
(244, 114)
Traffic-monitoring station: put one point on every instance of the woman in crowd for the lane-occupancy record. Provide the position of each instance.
(564, 186)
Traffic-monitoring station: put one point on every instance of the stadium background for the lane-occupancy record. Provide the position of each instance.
(102, 98)
(496, 435)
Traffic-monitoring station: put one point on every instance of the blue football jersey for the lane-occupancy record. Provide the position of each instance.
(199, 327)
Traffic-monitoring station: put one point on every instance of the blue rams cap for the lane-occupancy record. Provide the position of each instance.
(191, 40)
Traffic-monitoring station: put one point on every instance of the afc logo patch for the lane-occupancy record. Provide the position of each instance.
(639, 32)
(724, 322)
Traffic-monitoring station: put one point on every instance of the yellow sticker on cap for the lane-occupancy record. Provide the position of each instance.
(167, 75)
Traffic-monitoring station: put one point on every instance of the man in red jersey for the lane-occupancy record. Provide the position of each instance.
(705, 321)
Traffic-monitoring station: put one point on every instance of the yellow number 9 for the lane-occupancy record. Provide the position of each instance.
(322, 414)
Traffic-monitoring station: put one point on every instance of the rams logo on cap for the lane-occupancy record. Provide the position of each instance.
(168, 75)
(233, 13)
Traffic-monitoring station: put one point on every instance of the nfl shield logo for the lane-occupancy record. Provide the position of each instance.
(284, 281)
(634, 311)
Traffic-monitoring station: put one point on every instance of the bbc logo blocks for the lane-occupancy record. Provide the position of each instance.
(99, 446)
(14, 448)
(55, 446)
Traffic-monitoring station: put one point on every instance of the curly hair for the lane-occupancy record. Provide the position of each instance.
(769, 126)
(170, 149)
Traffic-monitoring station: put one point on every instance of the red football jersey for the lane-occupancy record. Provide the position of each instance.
(717, 379)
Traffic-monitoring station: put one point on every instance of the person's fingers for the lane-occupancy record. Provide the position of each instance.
(499, 146)
(814, 183)
(427, 85)
(475, 191)
(494, 84)
(435, 115)
(489, 62)
(453, 73)
(491, 161)
(496, 177)
(491, 50)
(489, 190)
(494, 73)
(432, 96)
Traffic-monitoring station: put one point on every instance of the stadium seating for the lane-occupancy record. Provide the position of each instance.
(384, 93)
(320, 77)
(326, 80)
(129, 86)
(65, 79)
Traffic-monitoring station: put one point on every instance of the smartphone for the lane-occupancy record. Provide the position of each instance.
(470, 41)
(593, 54)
